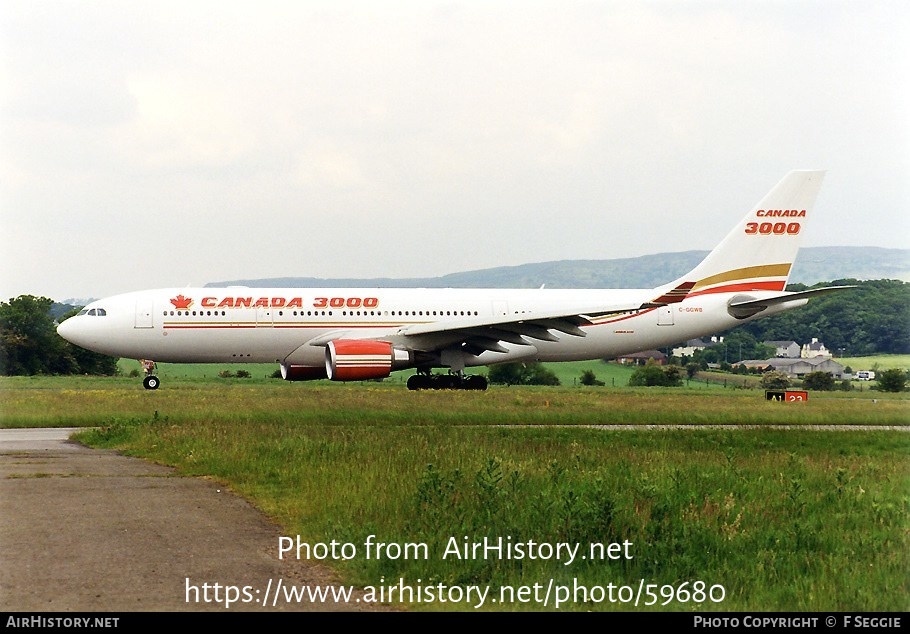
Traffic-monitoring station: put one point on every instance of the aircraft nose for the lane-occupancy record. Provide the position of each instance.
(63, 328)
(68, 329)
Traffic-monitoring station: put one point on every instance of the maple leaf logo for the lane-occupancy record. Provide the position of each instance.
(181, 303)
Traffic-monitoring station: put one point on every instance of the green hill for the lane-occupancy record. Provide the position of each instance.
(814, 265)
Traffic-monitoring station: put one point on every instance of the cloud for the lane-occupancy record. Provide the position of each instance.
(238, 140)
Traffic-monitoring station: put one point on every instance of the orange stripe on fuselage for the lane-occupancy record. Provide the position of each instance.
(613, 320)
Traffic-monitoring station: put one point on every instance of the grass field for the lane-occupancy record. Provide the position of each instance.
(569, 373)
(765, 519)
(876, 363)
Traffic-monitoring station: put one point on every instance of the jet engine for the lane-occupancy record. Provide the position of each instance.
(360, 360)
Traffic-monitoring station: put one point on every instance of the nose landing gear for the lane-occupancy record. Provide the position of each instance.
(150, 382)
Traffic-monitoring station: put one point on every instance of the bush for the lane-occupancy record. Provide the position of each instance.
(588, 378)
(506, 374)
(521, 374)
(775, 380)
(652, 375)
(243, 374)
(673, 375)
(226, 374)
(818, 381)
(542, 376)
(893, 380)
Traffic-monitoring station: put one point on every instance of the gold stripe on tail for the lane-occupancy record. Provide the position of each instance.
(747, 273)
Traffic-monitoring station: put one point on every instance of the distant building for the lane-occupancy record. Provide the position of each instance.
(784, 349)
(797, 368)
(691, 347)
(694, 345)
(815, 349)
(642, 358)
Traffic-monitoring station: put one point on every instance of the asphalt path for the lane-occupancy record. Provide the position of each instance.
(87, 530)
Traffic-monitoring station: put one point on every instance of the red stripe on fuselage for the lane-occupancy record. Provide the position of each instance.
(273, 325)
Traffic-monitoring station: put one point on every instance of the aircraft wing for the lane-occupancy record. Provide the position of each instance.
(476, 335)
(479, 334)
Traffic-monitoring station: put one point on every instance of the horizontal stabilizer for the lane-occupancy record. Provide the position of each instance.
(743, 306)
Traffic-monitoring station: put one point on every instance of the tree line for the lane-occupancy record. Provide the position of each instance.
(29, 343)
(873, 318)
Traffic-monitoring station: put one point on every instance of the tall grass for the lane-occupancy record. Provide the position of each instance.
(781, 520)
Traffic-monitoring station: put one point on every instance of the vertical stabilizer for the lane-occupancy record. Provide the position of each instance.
(758, 254)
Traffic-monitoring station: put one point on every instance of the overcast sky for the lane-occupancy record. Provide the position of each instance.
(151, 144)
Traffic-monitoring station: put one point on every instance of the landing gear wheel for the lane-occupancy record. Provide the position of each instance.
(419, 382)
(448, 382)
(151, 382)
(475, 382)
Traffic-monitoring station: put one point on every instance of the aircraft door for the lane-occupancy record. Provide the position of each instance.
(263, 317)
(665, 316)
(500, 308)
(144, 317)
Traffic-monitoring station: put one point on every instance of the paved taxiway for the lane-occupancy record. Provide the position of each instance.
(94, 531)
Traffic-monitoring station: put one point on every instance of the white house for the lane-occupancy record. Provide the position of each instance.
(693, 345)
(815, 349)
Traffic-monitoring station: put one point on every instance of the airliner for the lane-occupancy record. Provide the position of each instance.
(356, 334)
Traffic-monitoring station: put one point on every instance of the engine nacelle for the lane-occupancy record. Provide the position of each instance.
(361, 360)
(303, 372)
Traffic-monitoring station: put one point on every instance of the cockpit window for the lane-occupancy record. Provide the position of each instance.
(82, 312)
(93, 312)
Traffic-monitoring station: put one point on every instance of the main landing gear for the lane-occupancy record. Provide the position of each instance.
(150, 382)
(451, 381)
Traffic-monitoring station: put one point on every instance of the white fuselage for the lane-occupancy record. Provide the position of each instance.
(292, 325)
